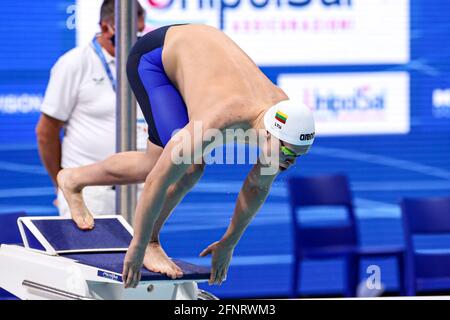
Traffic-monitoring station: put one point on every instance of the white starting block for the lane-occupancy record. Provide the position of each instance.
(59, 261)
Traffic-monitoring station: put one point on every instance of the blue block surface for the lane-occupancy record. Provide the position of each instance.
(113, 262)
(64, 234)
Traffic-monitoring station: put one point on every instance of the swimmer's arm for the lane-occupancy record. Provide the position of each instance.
(153, 196)
(252, 196)
(165, 173)
(150, 204)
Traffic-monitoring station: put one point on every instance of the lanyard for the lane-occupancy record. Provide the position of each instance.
(101, 55)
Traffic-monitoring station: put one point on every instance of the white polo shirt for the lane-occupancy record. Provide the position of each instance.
(80, 93)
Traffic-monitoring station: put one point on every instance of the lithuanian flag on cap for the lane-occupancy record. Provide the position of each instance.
(280, 116)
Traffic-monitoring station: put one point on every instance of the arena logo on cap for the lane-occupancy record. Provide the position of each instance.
(307, 137)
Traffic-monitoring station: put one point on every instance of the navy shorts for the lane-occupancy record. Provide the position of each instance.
(160, 102)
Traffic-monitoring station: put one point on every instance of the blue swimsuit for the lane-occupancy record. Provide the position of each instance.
(160, 102)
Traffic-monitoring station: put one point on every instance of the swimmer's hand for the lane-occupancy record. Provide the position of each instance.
(132, 265)
(221, 258)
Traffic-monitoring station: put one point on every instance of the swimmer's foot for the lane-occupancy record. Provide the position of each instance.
(156, 260)
(80, 213)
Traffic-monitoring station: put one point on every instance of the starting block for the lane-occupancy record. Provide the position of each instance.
(60, 261)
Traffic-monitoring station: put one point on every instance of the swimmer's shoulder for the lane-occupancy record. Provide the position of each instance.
(186, 32)
(235, 113)
(194, 27)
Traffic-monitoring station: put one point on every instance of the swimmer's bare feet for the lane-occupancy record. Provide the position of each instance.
(80, 213)
(156, 260)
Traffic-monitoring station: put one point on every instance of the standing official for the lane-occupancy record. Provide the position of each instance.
(81, 100)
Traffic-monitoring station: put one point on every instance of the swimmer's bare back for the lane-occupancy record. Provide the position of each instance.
(212, 72)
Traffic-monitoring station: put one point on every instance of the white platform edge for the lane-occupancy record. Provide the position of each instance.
(49, 250)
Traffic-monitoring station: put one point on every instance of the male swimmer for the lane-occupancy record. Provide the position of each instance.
(183, 74)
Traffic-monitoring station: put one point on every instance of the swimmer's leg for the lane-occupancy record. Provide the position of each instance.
(121, 168)
(155, 258)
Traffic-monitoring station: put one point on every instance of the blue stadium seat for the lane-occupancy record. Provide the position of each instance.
(426, 269)
(9, 234)
(333, 240)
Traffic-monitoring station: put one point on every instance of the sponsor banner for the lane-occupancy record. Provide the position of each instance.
(300, 32)
(353, 103)
(20, 103)
(286, 32)
(87, 15)
(109, 275)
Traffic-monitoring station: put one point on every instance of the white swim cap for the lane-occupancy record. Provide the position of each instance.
(291, 122)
